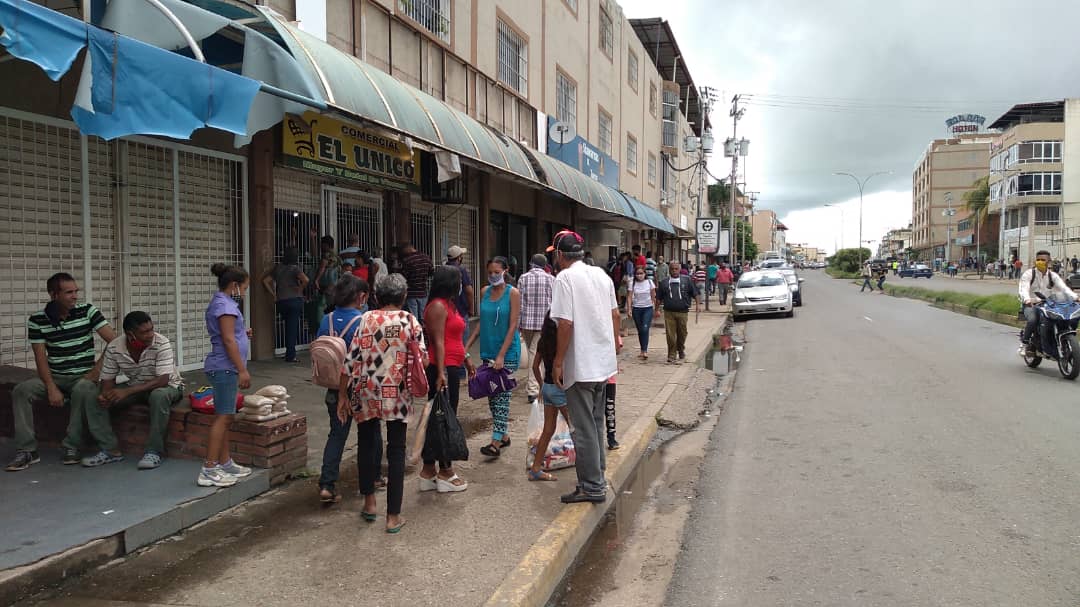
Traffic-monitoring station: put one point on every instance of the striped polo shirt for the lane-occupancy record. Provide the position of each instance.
(156, 360)
(69, 344)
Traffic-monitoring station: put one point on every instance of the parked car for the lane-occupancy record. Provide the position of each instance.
(918, 270)
(1073, 280)
(772, 264)
(762, 292)
(794, 283)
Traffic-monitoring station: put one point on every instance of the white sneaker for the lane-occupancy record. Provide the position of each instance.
(215, 477)
(234, 469)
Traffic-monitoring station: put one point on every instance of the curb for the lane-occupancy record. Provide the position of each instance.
(539, 573)
(1002, 319)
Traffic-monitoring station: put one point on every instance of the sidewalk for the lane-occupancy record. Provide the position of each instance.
(284, 548)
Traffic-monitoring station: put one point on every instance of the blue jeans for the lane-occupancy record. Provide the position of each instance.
(335, 444)
(226, 385)
(415, 306)
(643, 321)
(291, 311)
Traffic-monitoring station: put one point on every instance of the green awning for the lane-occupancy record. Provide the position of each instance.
(648, 215)
(356, 88)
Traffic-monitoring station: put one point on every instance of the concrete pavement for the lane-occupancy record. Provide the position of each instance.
(879, 451)
(457, 549)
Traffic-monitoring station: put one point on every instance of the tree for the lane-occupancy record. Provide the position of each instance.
(847, 260)
(743, 232)
(977, 200)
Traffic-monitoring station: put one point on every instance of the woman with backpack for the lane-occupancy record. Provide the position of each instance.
(350, 301)
(375, 388)
(445, 329)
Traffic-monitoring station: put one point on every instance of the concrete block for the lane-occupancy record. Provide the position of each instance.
(203, 508)
(152, 530)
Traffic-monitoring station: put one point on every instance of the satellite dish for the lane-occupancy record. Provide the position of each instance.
(561, 132)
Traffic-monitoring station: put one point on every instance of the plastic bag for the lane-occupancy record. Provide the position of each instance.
(418, 419)
(272, 391)
(445, 441)
(560, 451)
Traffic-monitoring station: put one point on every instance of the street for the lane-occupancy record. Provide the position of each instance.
(879, 451)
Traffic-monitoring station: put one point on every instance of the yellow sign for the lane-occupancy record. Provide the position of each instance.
(325, 145)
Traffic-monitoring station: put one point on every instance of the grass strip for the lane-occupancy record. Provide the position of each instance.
(999, 303)
(837, 273)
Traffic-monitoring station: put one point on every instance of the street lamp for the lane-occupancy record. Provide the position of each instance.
(841, 209)
(948, 214)
(862, 185)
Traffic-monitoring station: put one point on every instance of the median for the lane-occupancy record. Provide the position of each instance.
(1000, 307)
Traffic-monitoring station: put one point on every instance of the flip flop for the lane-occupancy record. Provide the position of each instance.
(368, 516)
(396, 528)
(540, 475)
(329, 497)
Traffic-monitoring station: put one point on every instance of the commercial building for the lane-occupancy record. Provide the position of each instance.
(802, 253)
(769, 233)
(895, 243)
(1035, 176)
(435, 126)
(946, 171)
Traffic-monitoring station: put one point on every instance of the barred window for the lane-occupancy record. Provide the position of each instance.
(632, 70)
(1048, 215)
(652, 98)
(434, 15)
(607, 32)
(652, 168)
(605, 132)
(513, 59)
(565, 99)
(631, 154)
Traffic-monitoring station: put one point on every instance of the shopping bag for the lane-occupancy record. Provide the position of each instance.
(560, 452)
(445, 441)
(418, 418)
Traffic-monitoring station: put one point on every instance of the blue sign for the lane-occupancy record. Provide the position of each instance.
(584, 157)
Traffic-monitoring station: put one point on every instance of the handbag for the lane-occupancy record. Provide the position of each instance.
(416, 374)
(445, 440)
(488, 382)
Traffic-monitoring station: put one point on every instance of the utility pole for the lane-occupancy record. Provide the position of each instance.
(736, 150)
(948, 213)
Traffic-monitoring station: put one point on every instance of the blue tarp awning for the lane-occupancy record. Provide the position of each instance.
(127, 87)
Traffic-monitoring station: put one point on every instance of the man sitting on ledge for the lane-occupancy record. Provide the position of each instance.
(146, 358)
(62, 338)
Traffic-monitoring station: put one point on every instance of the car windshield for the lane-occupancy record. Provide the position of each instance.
(791, 278)
(760, 281)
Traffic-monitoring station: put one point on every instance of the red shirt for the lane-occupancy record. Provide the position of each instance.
(639, 261)
(361, 273)
(453, 335)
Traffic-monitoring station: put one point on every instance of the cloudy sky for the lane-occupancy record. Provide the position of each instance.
(862, 86)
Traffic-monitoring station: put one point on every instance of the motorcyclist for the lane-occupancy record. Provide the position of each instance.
(1039, 280)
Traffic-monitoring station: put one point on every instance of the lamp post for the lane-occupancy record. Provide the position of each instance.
(862, 185)
(841, 209)
(948, 214)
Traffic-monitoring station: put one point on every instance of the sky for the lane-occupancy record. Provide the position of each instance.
(862, 86)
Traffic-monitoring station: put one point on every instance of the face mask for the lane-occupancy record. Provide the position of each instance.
(136, 346)
(237, 297)
(1040, 265)
(496, 279)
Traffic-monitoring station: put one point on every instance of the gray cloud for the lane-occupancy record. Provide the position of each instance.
(883, 76)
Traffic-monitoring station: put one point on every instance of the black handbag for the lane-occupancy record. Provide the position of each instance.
(445, 440)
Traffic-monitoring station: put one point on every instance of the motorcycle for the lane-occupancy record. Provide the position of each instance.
(1057, 337)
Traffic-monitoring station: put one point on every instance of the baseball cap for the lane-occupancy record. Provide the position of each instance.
(455, 251)
(567, 242)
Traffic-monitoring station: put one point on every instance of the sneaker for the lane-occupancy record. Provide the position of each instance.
(234, 469)
(612, 444)
(215, 477)
(23, 460)
(682, 354)
(580, 496)
(70, 457)
(100, 459)
(149, 461)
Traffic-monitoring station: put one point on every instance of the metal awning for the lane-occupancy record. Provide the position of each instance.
(648, 215)
(358, 89)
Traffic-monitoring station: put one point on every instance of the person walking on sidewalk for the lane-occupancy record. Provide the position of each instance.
(455, 256)
(226, 369)
(724, 278)
(374, 389)
(447, 361)
(500, 345)
(145, 357)
(676, 295)
(535, 286)
(350, 299)
(711, 273)
(62, 338)
(866, 276)
(642, 303)
(285, 282)
(587, 312)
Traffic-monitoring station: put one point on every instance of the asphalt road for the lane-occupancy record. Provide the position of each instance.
(878, 451)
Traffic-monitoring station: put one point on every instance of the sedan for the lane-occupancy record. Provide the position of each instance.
(764, 292)
(916, 271)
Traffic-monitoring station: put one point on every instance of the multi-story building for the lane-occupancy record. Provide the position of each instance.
(489, 125)
(769, 233)
(1035, 175)
(947, 170)
(803, 253)
(895, 243)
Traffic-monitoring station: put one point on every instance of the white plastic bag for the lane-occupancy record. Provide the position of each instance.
(273, 391)
(560, 451)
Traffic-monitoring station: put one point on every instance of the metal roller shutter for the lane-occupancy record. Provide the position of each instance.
(457, 226)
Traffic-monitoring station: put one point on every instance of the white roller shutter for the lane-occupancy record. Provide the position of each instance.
(457, 226)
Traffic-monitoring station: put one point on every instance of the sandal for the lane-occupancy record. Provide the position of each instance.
(380, 483)
(505, 442)
(540, 475)
(490, 450)
(329, 496)
(368, 516)
(396, 528)
(454, 484)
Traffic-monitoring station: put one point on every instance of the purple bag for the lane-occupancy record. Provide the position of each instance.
(489, 382)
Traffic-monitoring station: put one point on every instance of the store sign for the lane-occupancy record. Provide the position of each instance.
(324, 145)
(964, 240)
(711, 238)
(584, 157)
(965, 123)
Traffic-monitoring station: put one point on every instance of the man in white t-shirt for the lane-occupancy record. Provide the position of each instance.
(584, 305)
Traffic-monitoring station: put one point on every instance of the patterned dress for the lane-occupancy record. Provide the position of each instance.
(377, 365)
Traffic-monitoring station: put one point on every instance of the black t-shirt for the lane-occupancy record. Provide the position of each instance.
(546, 347)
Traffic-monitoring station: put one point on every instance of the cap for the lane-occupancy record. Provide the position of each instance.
(538, 261)
(455, 251)
(567, 242)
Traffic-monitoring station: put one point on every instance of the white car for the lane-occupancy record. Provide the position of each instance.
(763, 292)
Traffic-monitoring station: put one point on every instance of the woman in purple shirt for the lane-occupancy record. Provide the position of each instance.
(226, 368)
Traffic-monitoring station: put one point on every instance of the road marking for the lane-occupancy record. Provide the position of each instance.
(868, 318)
